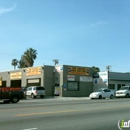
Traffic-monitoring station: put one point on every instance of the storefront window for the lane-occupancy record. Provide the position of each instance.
(111, 86)
(73, 86)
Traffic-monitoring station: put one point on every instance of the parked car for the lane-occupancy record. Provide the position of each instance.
(35, 91)
(123, 92)
(102, 93)
(10, 94)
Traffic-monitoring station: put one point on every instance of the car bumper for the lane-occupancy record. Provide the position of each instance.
(94, 96)
(120, 95)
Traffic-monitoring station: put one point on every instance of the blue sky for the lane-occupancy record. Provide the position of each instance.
(77, 32)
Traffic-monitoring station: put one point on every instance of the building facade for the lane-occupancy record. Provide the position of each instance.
(72, 81)
(111, 80)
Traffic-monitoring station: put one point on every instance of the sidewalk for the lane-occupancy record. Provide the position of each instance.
(67, 98)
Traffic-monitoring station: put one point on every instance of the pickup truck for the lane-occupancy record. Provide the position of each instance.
(9, 94)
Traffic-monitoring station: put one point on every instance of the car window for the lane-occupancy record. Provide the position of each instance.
(40, 88)
(105, 90)
(29, 89)
(108, 90)
(34, 88)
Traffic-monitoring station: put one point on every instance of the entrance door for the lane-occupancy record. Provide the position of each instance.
(118, 86)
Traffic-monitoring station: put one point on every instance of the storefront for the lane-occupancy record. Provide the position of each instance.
(111, 80)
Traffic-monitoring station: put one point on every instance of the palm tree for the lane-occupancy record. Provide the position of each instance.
(29, 56)
(27, 59)
(14, 63)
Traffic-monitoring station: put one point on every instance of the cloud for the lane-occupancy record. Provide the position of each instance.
(6, 10)
(99, 23)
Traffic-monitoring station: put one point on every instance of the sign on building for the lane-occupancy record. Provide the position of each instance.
(16, 75)
(85, 79)
(78, 71)
(33, 71)
(71, 77)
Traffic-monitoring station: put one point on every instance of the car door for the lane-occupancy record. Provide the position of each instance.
(104, 94)
(29, 90)
(109, 92)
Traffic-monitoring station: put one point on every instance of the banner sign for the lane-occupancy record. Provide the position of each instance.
(33, 71)
(16, 75)
(71, 77)
(86, 79)
(78, 71)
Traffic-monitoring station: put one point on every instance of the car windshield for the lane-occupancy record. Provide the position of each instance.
(124, 88)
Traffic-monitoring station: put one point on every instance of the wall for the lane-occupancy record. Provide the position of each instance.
(85, 88)
(49, 80)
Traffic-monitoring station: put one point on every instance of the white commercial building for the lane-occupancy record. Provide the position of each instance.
(111, 80)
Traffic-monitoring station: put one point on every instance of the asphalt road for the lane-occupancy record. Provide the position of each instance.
(40, 114)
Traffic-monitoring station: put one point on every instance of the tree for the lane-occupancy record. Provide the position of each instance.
(95, 69)
(21, 63)
(27, 59)
(14, 63)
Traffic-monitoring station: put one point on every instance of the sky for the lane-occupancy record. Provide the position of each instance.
(76, 32)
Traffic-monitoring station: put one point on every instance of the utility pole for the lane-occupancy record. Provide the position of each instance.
(108, 70)
(56, 61)
(108, 67)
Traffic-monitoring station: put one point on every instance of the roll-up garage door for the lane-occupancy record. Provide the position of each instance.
(33, 82)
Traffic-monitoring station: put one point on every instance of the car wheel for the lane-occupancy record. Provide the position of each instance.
(111, 97)
(14, 99)
(127, 95)
(100, 97)
(32, 96)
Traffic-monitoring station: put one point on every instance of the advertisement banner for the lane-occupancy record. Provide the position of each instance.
(78, 71)
(86, 79)
(33, 71)
(16, 75)
(71, 77)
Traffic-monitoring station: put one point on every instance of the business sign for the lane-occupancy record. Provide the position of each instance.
(85, 79)
(0, 81)
(33, 71)
(16, 75)
(71, 77)
(78, 71)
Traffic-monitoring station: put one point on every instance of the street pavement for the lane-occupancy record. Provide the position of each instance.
(64, 114)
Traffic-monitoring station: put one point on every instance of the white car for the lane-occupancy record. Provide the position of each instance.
(102, 93)
(123, 92)
(35, 91)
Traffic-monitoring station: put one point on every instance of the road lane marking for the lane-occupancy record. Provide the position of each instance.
(30, 129)
(42, 113)
(67, 111)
